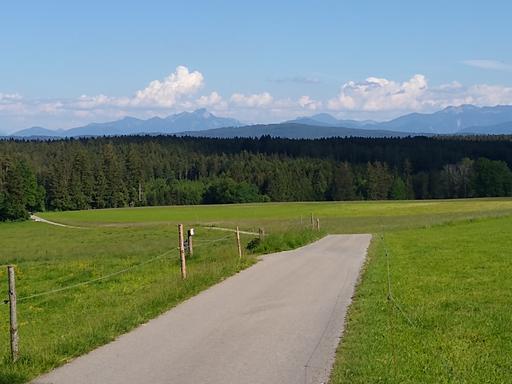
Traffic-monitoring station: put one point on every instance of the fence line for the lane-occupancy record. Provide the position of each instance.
(92, 280)
(204, 242)
(231, 230)
(72, 286)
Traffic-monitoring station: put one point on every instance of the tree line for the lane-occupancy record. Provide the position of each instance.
(93, 173)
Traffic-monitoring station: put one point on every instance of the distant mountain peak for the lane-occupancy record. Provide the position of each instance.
(203, 112)
(461, 108)
(325, 117)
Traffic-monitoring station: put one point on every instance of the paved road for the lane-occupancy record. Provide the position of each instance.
(278, 322)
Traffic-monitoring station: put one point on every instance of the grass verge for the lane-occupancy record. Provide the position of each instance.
(278, 242)
(448, 317)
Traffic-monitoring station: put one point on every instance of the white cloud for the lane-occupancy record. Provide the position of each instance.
(165, 93)
(378, 94)
(213, 100)
(307, 103)
(9, 97)
(489, 64)
(251, 101)
(158, 94)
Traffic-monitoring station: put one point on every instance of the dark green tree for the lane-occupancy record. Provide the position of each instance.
(343, 183)
(492, 178)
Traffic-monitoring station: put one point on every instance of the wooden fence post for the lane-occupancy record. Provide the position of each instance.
(318, 224)
(182, 252)
(238, 242)
(261, 232)
(312, 222)
(12, 313)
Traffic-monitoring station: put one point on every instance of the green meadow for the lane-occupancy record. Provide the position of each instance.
(447, 264)
(433, 306)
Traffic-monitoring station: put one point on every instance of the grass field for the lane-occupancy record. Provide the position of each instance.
(435, 278)
(340, 217)
(449, 319)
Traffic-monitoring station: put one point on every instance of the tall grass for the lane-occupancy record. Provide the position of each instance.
(277, 242)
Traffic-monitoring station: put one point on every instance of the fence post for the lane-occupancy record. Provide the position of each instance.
(261, 233)
(182, 252)
(312, 221)
(238, 242)
(12, 313)
(190, 235)
(318, 224)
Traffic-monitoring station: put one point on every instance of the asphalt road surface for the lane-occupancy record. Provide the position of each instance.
(278, 322)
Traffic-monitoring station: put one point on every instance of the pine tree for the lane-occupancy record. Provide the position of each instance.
(81, 183)
(343, 183)
(115, 191)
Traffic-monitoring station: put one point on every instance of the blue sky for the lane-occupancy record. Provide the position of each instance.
(66, 63)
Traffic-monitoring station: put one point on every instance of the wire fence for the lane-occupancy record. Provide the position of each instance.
(197, 243)
(72, 286)
(206, 242)
(413, 323)
(184, 248)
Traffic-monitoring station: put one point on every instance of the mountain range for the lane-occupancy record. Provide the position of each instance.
(461, 120)
(200, 119)
(464, 119)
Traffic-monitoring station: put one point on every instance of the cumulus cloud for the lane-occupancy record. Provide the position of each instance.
(165, 93)
(254, 100)
(213, 100)
(489, 64)
(307, 102)
(383, 95)
(378, 94)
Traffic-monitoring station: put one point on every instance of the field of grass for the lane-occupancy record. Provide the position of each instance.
(448, 319)
(342, 217)
(59, 326)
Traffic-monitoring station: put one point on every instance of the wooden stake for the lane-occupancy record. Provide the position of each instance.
(12, 313)
(318, 224)
(312, 222)
(182, 252)
(238, 242)
(261, 232)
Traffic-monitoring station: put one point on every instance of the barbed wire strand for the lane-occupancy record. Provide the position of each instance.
(72, 286)
(231, 230)
(204, 242)
(391, 298)
(92, 280)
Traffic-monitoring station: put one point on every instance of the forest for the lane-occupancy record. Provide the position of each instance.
(110, 172)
